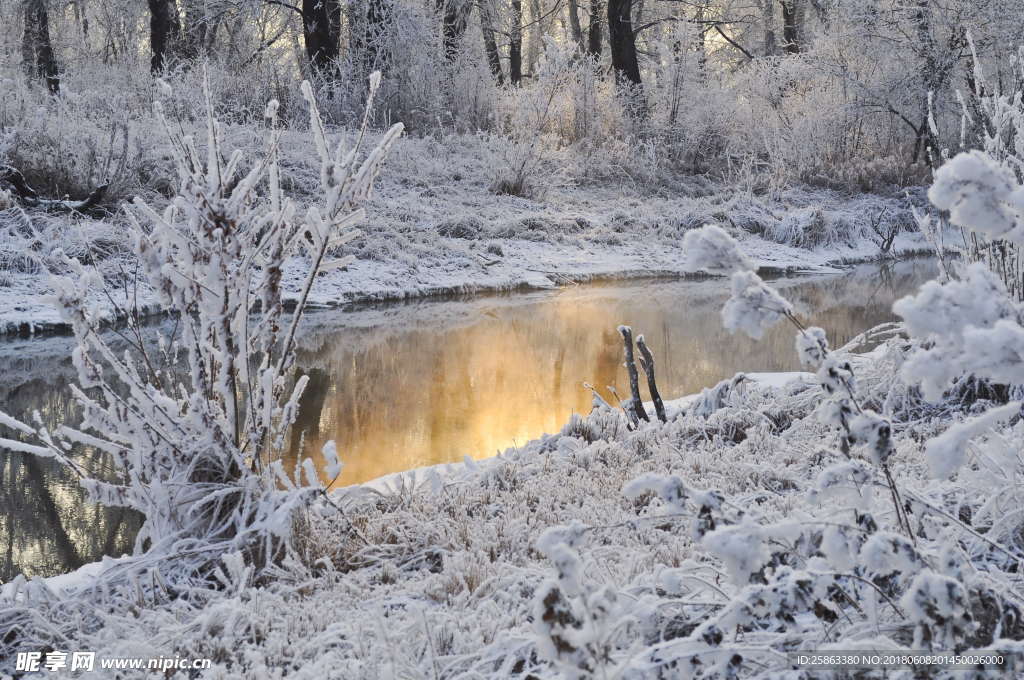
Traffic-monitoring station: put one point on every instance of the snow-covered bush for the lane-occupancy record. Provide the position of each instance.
(862, 553)
(195, 429)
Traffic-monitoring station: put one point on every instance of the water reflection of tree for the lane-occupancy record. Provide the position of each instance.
(408, 397)
(48, 526)
(465, 378)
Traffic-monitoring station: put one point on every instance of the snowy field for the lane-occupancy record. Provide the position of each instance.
(419, 241)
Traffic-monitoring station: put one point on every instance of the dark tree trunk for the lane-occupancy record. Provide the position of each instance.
(515, 44)
(453, 25)
(768, 23)
(933, 77)
(36, 48)
(490, 43)
(790, 27)
(575, 27)
(594, 30)
(164, 29)
(321, 30)
(367, 28)
(198, 28)
(647, 363)
(636, 403)
(622, 41)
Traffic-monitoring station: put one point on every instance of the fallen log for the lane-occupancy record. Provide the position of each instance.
(21, 190)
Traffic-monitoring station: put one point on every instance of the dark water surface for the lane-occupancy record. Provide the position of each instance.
(400, 386)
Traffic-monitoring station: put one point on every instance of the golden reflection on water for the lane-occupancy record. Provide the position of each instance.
(402, 386)
(397, 399)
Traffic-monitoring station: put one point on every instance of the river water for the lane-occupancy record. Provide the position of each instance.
(400, 386)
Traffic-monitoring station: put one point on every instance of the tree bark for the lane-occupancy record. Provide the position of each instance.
(515, 44)
(594, 29)
(647, 363)
(321, 29)
(454, 19)
(622, 41)
(575, 28)
(490, 43)
(164, 29)
(36, 48)
(636, 403)
(790, 26)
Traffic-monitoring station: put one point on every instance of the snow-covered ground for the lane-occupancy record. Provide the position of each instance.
(434, 226)
(454, 575)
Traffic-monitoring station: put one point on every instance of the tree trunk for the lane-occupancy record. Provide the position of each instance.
(82, 18)
(790, 27)
(701, 42)
(163, 32)
(453, 25)
(490, 43)
(574, 26)
(622, 41)
(515, 44)
(36, 48)
(367, 28)
(636, 403)
(198, 28)
(594, 30)
(647, 363)
(933, 78)
(533, 41)
(768, 21)
(321, 28)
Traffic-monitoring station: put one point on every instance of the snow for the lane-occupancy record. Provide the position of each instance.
(782, 512)
(711, 249)
(558, 558)
(980, 194)
(753, 306)
(427, 234)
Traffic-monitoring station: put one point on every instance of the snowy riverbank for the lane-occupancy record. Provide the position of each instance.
(453, 574)
(433, 476)
(420, 245)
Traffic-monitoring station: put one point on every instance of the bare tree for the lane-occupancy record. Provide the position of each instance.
(575, 29)
(622, 41)
(454, 19)
(321, 28)
(490, 43)
(515, 44)
(594, 30)
(36, 48)
(367, 26)
(199, 28)
(791, 11)
(164, 30)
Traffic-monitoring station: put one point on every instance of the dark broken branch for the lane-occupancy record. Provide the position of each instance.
(647, 363)
(732, 42)
(636, 403)
(29, 197)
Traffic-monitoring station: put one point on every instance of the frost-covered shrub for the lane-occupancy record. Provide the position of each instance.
(853, 558)
(198, 451)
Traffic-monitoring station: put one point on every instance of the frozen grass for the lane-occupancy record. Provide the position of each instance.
(435, 225)
(437, 575)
